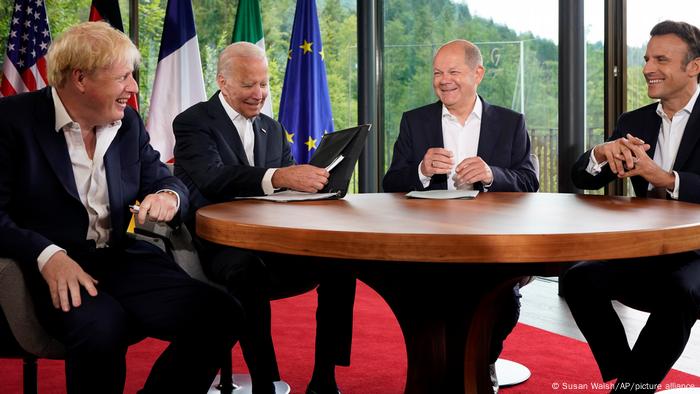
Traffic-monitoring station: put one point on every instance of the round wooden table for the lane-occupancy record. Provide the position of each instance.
(443, 266)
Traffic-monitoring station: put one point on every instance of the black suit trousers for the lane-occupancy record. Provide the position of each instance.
(667, 286)
(256, 277)
(141, 293)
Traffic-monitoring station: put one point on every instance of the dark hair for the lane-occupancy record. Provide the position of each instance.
(686, 32)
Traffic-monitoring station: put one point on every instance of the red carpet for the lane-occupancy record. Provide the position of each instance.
(378, 359)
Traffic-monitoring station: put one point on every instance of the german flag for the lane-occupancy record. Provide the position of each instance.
(108, 11)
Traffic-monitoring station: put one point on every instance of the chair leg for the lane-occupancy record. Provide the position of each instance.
(29, 375)
(226, 377)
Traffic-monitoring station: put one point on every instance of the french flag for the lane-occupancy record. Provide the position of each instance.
(178, 83)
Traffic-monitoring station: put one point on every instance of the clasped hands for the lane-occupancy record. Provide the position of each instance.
(468, 171)
(65, 276)
(627, 157)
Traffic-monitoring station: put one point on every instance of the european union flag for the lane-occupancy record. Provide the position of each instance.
(305, 107)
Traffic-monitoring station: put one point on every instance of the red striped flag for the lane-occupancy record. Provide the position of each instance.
(24, 66)
(108, 11)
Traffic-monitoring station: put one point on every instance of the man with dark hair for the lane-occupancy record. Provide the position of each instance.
(657, 147)
(686, 32)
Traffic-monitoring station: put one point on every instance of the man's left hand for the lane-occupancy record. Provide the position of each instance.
(157, 207)
(472, 170)
(647, 168)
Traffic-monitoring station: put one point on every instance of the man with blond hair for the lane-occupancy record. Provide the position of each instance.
(226, 148)
(73, 157)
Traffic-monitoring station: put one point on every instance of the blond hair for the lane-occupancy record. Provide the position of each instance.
(237, 49)
(88, 46)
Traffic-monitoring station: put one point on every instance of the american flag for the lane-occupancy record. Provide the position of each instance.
(24, 66)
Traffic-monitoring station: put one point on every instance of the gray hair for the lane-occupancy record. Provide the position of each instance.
(472, 54)
(237, 49)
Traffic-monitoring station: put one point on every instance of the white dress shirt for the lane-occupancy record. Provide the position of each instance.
(461, 139)
(90, 176)
(669, 140)
(244, 126)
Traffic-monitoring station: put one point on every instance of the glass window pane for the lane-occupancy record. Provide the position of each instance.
(151, 14)
(594, 21)
(520, 57)
(65, 13)
(642, 15)
(124, 9)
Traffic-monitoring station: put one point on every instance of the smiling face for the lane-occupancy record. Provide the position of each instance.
(245, 85)
(668, 76)
(454, 81)
(106, 92)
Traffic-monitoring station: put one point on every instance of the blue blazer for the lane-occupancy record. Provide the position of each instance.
(503, 144)
(645, 123)
(39, 201)
(210, 158)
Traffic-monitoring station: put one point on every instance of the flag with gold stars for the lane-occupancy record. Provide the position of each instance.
(305, 106)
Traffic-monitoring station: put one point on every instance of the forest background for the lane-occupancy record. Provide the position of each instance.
(522, 69)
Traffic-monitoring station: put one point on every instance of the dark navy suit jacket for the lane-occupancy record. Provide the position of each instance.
(503, 144)
(210, 158)
(645, 123)
(39, 201)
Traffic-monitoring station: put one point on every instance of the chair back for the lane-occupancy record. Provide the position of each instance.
(19, 315)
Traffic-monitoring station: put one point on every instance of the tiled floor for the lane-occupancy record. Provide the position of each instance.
(543, 308)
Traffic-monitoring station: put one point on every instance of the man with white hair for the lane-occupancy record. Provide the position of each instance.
(226, 148)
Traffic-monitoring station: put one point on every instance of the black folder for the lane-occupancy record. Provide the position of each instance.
(348, 143)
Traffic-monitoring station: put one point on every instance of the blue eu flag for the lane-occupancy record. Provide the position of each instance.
(305, 107)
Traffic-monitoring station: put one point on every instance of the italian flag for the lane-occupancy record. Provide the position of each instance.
(248, 27)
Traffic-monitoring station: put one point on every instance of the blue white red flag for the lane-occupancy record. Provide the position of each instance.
(178, 82)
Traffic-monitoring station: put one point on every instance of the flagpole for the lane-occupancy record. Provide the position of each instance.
(134, 23)
(370, 95)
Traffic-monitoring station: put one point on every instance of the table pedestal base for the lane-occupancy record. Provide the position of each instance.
(446, 314)
(511, 373)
